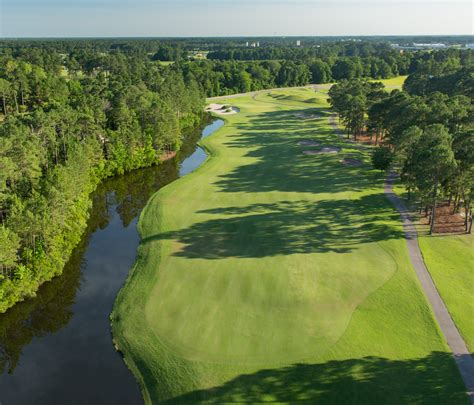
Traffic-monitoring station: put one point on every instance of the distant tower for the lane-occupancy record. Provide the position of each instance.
(247, 44)
(298, 43)
(258, 44)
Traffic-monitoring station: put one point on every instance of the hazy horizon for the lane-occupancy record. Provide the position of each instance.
(226, 18)
(240, 36)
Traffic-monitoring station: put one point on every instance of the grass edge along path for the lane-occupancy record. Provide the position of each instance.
(462, 355)
(450, 260)
(458, 346)
(391, 345)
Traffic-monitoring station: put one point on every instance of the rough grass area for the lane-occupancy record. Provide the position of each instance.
(450, 260)
(267, 275)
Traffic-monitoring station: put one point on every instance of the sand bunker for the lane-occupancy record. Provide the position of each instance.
(351, 162)
(222, 109)
(309, 143)
(307, 116)
(322, 151)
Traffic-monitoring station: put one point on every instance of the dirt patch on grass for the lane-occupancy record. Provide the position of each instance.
(307, 116)
(323, 151)
(351, 162)
(446, 221)
(309, 143)
(366, 139)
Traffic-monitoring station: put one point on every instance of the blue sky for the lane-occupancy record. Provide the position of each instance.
(59, 18)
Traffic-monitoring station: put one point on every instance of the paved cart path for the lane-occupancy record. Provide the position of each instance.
(464, 360)
(462, 356)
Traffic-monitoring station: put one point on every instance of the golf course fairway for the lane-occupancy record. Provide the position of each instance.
(272, 275)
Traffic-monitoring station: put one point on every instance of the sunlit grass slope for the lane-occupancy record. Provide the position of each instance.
(268, 275)
(393, 83)
(450, 260)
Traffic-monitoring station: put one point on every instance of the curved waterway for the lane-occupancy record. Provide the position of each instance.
(57, 348)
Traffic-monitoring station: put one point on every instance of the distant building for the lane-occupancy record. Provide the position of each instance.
(419, 46)
(298, 43)
(470, 46)
(258, 44)
(247, 44)
(429, 46)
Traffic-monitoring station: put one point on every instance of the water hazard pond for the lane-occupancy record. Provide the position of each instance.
(57, 348)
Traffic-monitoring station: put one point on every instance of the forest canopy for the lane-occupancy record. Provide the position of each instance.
(68, 121)
(425, 131)
(73, 112)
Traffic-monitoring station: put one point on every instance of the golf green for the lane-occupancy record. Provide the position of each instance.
(273, 275)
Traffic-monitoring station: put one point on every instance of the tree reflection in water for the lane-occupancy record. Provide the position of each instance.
(52, 308)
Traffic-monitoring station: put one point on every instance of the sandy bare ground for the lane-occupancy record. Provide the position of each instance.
(221, 109)
(338, 131)
(446, 221)
(351, 162)
(323, 151)
(307, 116)
(309, 143)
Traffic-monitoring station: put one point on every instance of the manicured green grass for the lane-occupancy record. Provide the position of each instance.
(165, 63)
(450, 260)
(268, 275)
(394, 82)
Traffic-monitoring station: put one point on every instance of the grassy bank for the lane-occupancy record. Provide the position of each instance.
(269, 275)
(450, 261)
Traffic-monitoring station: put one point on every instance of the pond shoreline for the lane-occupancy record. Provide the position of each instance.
(60, 341)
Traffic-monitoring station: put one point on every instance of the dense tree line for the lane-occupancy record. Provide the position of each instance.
(233, 67)
(327, 51)
(76, 111)
(228, 77)
(342, 45)
(348, 60)
(68, 121)
(427, 131)
(221, 77)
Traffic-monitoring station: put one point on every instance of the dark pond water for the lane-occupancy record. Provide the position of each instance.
(57, 348)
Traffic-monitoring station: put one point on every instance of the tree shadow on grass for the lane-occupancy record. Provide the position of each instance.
(279, 164)
(287, 227)
(369, 380)
(288, 119)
